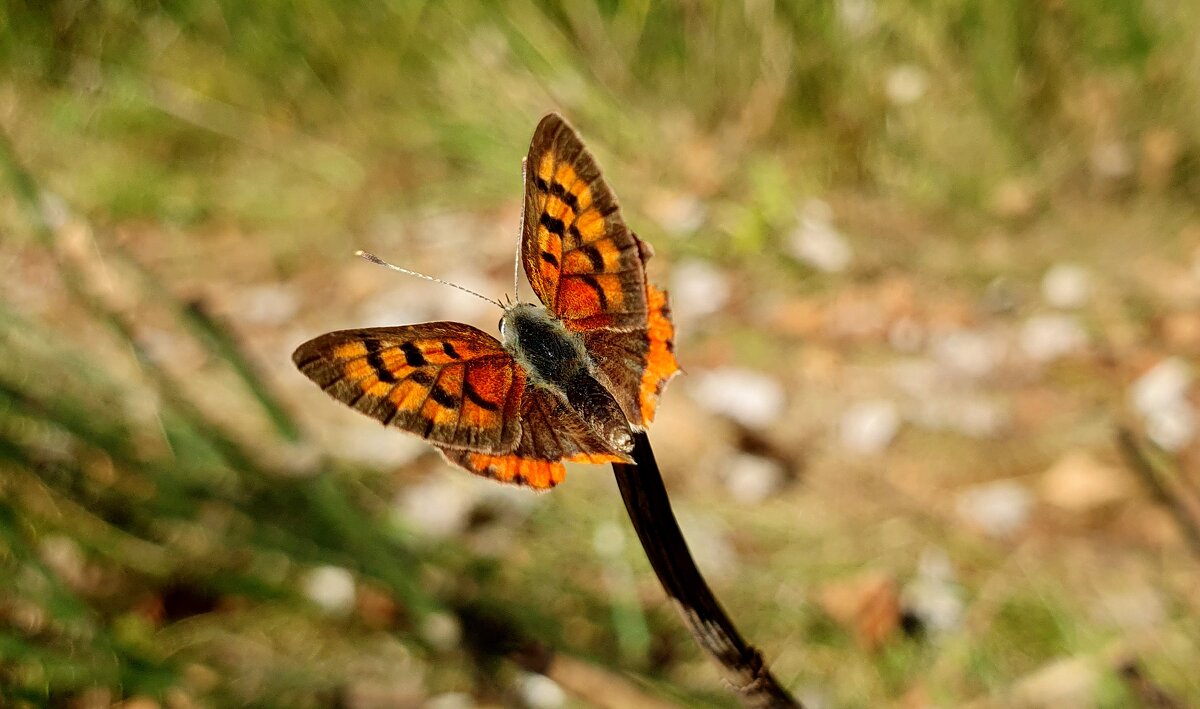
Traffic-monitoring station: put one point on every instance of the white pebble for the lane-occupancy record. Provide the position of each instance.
(608, 540)
(681, 214)
(1045, 338)
(268, 304)
(1000, 508)
(1112, 160)
(934, 595)
(1067, 286)
(857, 16)
(450, 700)
(1172, 427)
(331, 588)
(868, 427)
(1165, 384)
(968, 352)
(906, 84)
(442, 631)
(817, 242)
(697, 289)
(540, 692)
(365, 441)
(750, 398)
(751, 479)
(437, 508)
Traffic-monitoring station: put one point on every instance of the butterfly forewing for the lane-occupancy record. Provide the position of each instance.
(448, 382)
(583, 262)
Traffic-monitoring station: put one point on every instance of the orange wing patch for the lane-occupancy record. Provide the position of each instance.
(538, 474)
(661, 364)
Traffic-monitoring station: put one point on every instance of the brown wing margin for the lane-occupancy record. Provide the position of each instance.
(447, 382)
(583, 262)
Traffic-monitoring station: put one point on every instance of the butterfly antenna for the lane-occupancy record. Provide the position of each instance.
(520, 239)
(378, 261)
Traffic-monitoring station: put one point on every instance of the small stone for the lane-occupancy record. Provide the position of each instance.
(268, 304)
(933, 595)
(698, 289)
(817, 242)
(1172, 427)
(365, 441)
(1067, 286)
(608, 540)
(1164, 385)
(437, 508)
(1067, 683)
(868, 427)
(1045, 338)
(856, 16)
(1000, 509)
(450, 700)
(1111, 161)
(1079, 483)
(969, 352)
(1133, 610)
(540, 692)
(751, 398)
(906, 84)
(752, 479)
(442, 631)
(331, 588)
(678, 213)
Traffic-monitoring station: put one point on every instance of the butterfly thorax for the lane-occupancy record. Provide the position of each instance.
(555, 358)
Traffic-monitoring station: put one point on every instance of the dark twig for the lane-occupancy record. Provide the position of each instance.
(650, 511)
(1161, 483)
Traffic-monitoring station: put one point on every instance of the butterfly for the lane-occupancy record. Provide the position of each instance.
(571, 378)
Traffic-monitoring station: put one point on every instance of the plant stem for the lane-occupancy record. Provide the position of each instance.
(650, 511)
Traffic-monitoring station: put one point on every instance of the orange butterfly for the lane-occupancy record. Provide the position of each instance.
(571, 381)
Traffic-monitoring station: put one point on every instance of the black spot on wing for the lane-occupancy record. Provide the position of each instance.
(549, 257)
(412, 355)
(593, 255)
(554, 226)
(475, 398)
(375, 362)
(443, 397)
(420, 378)
(567, 198)
(450, 351)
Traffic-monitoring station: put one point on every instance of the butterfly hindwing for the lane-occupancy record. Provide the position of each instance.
(447, 382)
(551, 433)
(583, 262)
(638, 363)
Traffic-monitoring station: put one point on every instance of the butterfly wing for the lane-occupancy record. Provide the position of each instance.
(589, 269)
(450, 383)
(551, 432)
(583, 262)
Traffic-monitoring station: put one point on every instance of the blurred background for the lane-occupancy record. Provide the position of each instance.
(935, 269)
